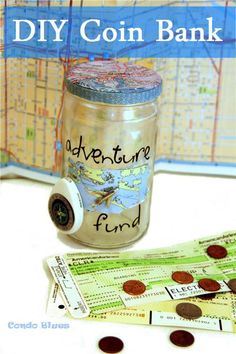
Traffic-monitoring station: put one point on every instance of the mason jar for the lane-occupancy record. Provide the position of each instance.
(109, 144)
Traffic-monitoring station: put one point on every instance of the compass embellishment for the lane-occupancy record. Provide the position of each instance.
(61, 212)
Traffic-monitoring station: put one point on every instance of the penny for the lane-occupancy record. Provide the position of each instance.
(111, 344)
(232, 285)
(182, 277)
(188, 311)
(207, 296)
(216, 251)
(182, 338)
(134, 287)
(209, 284)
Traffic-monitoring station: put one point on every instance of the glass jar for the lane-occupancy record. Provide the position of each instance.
(109, 144)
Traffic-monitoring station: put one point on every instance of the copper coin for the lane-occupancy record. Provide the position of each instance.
(232, 285)
(182, 338)
(188, 311)
(182, 277)
(134, 287)
(111, 344)
(207, 296)
(216, 251)
(209, 284)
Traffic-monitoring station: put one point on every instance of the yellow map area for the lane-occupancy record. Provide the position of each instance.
(134, 171)
(197, 111)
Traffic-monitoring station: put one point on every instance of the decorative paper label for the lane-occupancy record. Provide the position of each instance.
(110, 190)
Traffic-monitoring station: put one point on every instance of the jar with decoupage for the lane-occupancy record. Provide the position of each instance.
(109, 145)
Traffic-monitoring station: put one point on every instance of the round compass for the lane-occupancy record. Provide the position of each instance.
(61, 212)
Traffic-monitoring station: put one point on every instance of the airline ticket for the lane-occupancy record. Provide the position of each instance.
(218, 314)
(93, 282)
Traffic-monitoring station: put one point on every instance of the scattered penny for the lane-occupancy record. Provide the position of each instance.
(111, 344)
(207, 296)
(232, 285)
(209, 284)
(216, 251)
(182, 338)
(188, 311)
(134, 287)
(182, 277)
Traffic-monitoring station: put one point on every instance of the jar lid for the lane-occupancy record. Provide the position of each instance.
(113, 82)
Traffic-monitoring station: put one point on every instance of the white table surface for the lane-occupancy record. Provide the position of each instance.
(183, 208)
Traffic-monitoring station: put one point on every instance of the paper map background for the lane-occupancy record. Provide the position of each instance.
(197, 109)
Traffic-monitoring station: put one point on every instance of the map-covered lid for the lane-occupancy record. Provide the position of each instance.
(113, 82)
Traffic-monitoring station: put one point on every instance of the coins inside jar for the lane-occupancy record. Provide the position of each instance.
(182, 277)
(217, 251)
(182, 338)
(188, 311)
(134, 287)
(209, 284)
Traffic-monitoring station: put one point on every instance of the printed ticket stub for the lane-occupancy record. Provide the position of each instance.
(56, 306)
(170, 292)
(218, 314)
(69, 290)
(99, 277)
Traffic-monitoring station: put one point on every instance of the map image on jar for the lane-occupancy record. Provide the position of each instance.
(110, 191)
